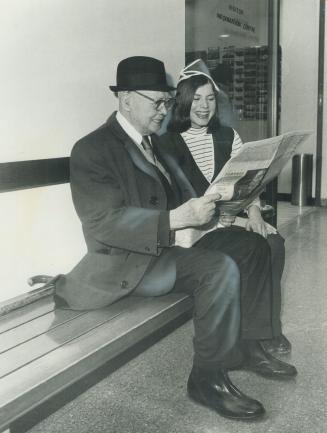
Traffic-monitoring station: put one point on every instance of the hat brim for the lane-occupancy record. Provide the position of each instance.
(153, 87)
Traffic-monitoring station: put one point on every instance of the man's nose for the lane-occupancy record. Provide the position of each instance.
(163, 109)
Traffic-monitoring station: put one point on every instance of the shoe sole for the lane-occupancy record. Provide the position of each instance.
(272, 376)
(202, 402)
(278, 352)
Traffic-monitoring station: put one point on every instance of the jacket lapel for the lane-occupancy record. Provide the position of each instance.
(222, 141)
(190, 167)
(139, 160)
(136, 155)
(146, 167)
(175, 170)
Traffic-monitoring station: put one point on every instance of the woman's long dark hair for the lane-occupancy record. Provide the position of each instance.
(180, 118)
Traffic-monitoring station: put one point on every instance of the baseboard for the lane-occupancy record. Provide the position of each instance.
(284, 196)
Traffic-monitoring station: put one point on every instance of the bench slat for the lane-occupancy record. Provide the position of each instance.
(57, 336)
(29, 386)
(34, 328)
(26, 313)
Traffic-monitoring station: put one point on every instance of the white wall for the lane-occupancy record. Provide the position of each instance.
(57, 60)
(299, 27)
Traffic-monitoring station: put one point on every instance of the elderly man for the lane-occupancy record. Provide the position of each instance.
(131, 198)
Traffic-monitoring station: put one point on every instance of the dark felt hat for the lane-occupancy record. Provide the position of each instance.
(141, 73)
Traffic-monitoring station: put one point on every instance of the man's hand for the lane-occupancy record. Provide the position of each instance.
(195, 212)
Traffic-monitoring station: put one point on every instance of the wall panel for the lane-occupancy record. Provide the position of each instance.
(57, 60)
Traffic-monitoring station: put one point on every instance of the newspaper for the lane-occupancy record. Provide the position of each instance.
(244, 177)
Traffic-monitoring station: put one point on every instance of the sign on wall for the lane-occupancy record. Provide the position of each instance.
(238, 18)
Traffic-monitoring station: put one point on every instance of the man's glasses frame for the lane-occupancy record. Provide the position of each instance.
(158, 103)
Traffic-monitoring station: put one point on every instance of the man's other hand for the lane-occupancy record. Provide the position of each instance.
(195, 212)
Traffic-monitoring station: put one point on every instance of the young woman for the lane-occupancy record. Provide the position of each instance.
(202, 146)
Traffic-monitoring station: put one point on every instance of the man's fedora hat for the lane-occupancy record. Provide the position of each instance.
(141, 73)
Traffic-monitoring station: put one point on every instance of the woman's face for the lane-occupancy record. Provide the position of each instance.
(203, 106)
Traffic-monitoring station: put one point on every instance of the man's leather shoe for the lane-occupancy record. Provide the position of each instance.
(277, 346)
(264, 364)
(216, 391)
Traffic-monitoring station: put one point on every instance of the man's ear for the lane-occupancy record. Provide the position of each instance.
(125, 100)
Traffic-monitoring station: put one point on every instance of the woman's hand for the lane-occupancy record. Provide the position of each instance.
(256, 223)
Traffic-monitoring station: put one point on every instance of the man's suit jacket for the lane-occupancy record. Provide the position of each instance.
(122, 205)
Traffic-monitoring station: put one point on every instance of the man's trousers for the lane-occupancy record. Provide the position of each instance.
(232, 292)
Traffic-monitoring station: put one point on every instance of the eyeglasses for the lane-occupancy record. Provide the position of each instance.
(159, 103)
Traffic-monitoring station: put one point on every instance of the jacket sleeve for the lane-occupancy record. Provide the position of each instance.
(102, 203)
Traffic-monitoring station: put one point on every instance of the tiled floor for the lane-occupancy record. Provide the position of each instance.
(147, 395)
(287, 212)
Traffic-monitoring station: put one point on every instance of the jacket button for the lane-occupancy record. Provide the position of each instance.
(147, 249)
(153, 200)
(124, 284)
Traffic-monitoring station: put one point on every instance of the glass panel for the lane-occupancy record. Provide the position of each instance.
(232, 38)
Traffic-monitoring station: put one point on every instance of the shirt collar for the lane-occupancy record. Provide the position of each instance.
(129, 128)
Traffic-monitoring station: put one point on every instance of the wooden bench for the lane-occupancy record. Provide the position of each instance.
(47, 356)
(45, 351)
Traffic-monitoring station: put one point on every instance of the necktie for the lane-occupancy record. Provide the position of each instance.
(148, 149)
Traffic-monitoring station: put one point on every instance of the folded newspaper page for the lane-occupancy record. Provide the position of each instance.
(244, 177)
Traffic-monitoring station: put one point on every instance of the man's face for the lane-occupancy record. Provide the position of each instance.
(144, 115)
